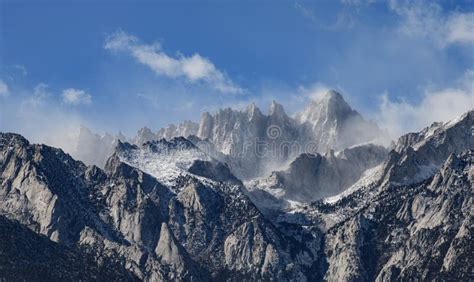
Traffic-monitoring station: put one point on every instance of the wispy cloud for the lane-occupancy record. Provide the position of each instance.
(460, 28)
(40, 94)
(32, 113)
(73, 96)
(306, 12)
(4, 91)
(21, 69)
(427, 19)
(315, 91)
(346, 17)
(399, 117)
(193, 68)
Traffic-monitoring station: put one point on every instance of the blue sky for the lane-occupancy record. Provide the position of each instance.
(121, 65)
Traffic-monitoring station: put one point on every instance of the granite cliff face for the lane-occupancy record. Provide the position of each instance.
(334, 125)
(169, 210)
(258, 144)
(419, 155)
(26, 255)
(184, 129)
(311, 177)
(156, 232)
(252, 143)
(421, 232)
(383, 229)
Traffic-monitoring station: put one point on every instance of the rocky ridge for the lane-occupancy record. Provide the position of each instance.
(157, 232)
(254, 144)
(167, 210)
(311, 177)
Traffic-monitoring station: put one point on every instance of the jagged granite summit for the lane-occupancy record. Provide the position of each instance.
(252, 143)
(197, 229)
(334, 125)
(168, 210)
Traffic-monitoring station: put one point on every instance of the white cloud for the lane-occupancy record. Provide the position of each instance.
(315, 92)
(41, 90)
(421, 18)
(460, 28)
(73, 96)
(4, 91)
(40, 94)
(193, 68)
(346, 17)
(399, 117)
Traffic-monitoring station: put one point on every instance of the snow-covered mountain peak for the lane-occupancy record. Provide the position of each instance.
(198, 227)
(184, 129)
(237, 135)
(418, 156)
(253, 112)
(144, 135)
(333, 95)
(276, 109)
(330, 107)
(123, 146)
(162, 159)
(333, 124)
(436, 133)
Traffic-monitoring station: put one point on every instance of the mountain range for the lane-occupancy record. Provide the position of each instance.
(253, 144)
(243, 195)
